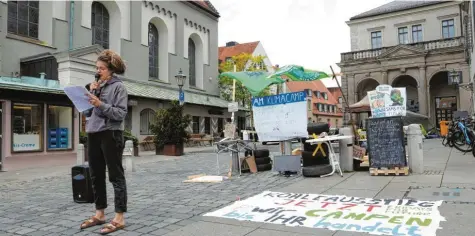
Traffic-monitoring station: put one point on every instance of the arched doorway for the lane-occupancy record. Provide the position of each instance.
(362, 90)
(443, 97)
(411, 85)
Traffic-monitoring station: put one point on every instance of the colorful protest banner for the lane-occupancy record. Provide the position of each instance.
(337, 212)
(387, 101)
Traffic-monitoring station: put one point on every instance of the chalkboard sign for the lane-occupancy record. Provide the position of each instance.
(386, 147)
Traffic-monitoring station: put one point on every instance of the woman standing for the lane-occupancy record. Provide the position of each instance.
(105, 140)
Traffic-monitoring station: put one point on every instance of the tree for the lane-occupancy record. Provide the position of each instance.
(243, 62)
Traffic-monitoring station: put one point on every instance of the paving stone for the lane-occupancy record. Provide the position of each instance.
(160, 232)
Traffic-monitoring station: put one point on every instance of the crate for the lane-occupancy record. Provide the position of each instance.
(389, 171)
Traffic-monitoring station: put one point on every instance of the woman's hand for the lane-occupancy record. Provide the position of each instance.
(94, 100)
(93, 85)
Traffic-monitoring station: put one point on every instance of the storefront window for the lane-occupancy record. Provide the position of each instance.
(27, 127)
(60, 127)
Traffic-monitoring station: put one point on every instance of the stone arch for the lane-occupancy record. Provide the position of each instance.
(163, 47)
(365, 85)
(198, 58)
(411, 84)
(441, 96)
(115, 19)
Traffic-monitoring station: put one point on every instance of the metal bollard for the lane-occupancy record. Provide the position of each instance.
(415, 151)
(346, 150)
(128, 156)
(80, 158)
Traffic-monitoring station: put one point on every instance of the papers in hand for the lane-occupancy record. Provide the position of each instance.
(79, 96)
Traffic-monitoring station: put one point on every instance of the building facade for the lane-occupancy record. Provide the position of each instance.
(157, 39)
(321, 105)
(412, 44)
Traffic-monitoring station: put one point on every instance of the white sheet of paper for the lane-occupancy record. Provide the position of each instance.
(78, 95)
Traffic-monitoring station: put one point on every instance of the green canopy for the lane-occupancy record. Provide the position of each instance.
(257, 81)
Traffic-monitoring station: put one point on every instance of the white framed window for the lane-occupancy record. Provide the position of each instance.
(448, 29)
(376, 39)
(403, 35)
(417, 33)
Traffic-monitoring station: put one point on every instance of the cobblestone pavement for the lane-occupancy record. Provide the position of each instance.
(159, 202)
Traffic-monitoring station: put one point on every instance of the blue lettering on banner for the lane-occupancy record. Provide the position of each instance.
(397, 230)
(23, 145)
(279, 99)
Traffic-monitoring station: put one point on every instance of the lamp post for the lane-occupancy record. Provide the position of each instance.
(454, 77)
(180, 80)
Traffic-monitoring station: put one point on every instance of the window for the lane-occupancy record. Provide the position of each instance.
(241, 123)
(448, 29)
(317, 94)
(152, 51)
(309, 92)
(207, 125)
(196, 124)
(340, 100)
(191, 62)
(48, 65)
(403, 35)
(60, 127)
(23, 18)
(376, 40)
(309, 104)
(27, 127)
(128, 119)
(147, 118)
(100, 25)
(325, 96)
(416, 33)
(220, 125)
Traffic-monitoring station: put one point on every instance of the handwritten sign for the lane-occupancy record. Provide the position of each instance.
(387, 101)
(336, 212)
(280, 117)
(386, 146)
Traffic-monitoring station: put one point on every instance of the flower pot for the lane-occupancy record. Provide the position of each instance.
(158, 151)
(173, 149)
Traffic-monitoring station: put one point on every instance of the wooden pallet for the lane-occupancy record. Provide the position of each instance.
(393, 171)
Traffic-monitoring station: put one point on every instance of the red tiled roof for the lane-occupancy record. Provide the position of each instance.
(316, 85)
(225, 52)
(206, 5)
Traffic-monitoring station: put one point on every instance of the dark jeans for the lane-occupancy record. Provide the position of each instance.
(105, 148)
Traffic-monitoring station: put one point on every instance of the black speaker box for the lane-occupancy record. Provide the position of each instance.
(82, 184)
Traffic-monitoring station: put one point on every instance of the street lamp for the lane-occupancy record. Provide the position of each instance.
(454, 77)
(180, 80)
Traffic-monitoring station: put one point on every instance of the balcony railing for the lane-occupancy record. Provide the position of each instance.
(427, 46)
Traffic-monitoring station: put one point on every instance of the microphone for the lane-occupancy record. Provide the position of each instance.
(97, 76)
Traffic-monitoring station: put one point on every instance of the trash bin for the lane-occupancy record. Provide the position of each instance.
(346, 150)
(444, 127)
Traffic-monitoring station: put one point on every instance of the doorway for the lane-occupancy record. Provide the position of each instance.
(444, 108)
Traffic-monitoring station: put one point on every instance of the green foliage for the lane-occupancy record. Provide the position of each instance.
(129, 136)
(170, 125)
(226, 84)
(83, 138)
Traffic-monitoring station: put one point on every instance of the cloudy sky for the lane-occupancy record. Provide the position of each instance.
(311, 33)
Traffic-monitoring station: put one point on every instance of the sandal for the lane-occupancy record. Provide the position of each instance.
(111, 227)
(93, 221)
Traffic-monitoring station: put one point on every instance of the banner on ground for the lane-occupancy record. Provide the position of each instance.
(337, 212)
(387, 101)
(280, 117)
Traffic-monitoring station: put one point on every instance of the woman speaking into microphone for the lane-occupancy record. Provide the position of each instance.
(105, 126)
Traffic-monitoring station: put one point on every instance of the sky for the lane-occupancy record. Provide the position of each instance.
(310, 33)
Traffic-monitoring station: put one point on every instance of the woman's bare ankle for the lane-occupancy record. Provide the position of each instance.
(100, 214)
(119, 218)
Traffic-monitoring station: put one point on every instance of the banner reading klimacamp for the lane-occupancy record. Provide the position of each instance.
(387, 101)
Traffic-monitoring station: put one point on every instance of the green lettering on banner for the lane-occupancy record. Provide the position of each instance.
(335, 215)
(355, 216)
(396, 219)
(376, 216)
(419, 221)
(312, 213)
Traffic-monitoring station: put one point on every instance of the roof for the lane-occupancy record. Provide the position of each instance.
(225, 52)
(395, 6)
(207, 6)
(137, 89)
(315, 85)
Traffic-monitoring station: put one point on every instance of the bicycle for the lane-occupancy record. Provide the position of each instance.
(462, 136)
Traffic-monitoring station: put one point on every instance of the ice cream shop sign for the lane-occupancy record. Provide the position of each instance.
(26, 142)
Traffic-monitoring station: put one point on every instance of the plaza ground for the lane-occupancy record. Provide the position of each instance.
(161, 204)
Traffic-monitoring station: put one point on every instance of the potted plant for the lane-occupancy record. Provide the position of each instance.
(129, 136)
(169, 130)
(83, 141)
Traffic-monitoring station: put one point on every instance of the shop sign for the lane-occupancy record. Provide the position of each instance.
(337, 212)
(387, 101)
(26, 142)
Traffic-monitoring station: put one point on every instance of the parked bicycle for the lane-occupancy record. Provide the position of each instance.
(460, 136)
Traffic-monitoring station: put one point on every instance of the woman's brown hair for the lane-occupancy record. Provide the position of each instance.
(113, 60)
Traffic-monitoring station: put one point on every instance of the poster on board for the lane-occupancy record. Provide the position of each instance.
(338, 212)
(387, 101)
(280, 117)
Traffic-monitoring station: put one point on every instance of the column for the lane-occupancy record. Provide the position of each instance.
(423, 92)
(385, 77)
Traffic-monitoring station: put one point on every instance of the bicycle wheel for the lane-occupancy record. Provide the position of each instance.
(460, 143)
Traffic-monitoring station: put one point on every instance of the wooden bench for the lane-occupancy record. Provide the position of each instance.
(148, 143)
(199, 139)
